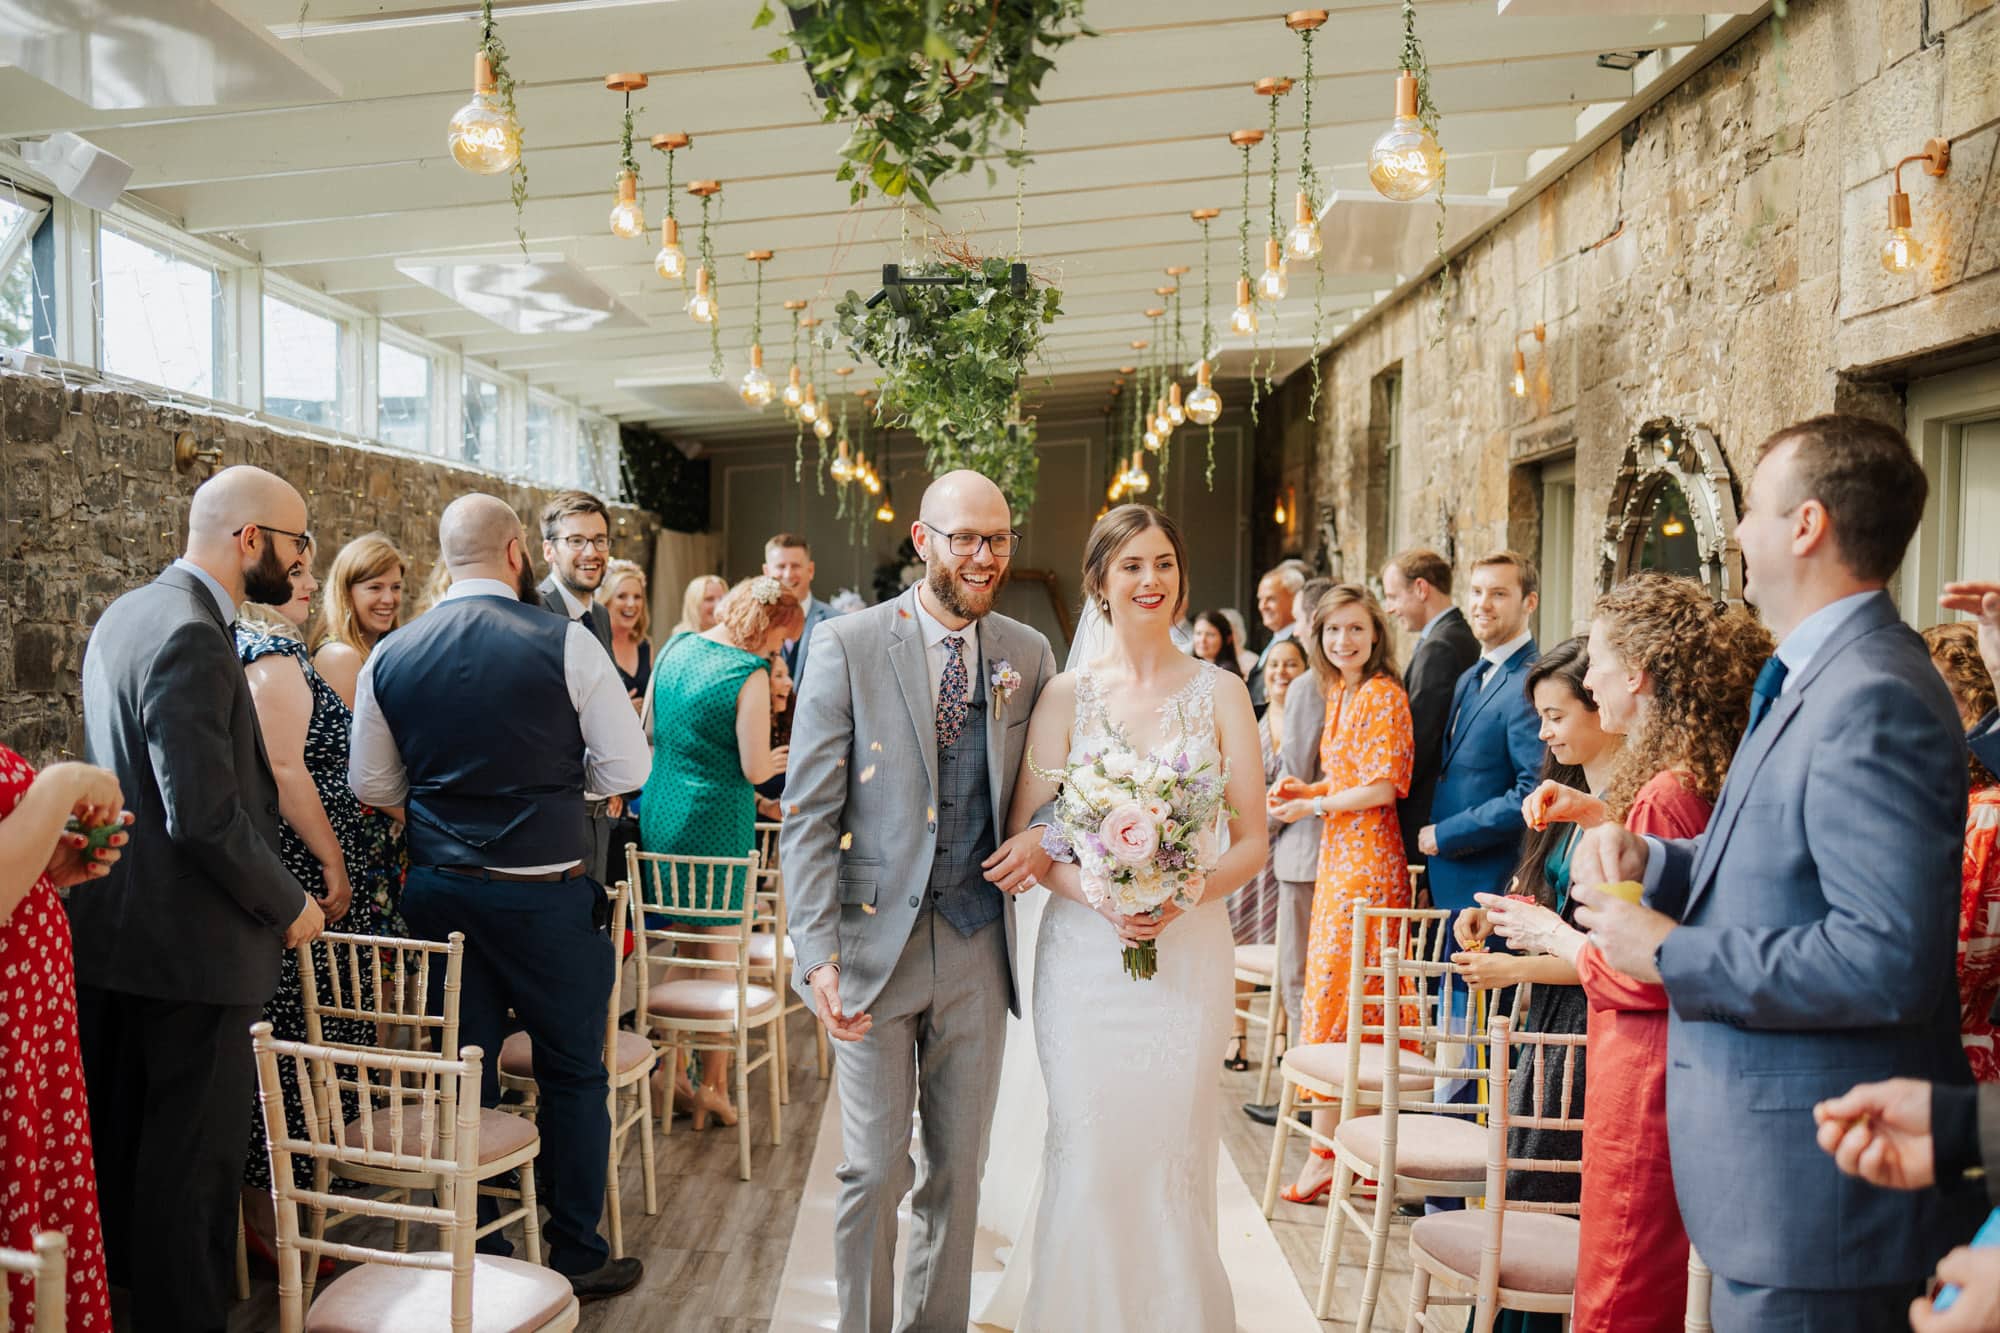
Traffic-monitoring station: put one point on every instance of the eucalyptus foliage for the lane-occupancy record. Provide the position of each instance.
(928, 84)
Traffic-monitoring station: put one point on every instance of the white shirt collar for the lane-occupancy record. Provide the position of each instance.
(479, 588)
(223, 601)
(1498, 656)
(1432, 624)
(936, 631)
(576, 608)
(1810, 635)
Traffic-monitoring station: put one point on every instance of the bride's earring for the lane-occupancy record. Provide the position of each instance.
(1105, 607)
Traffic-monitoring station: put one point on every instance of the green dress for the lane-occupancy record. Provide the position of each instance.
(696, 801)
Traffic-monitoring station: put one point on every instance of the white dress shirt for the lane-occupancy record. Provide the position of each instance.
(1499, 656)
(935, 653)
(615, 754)
(577, 607)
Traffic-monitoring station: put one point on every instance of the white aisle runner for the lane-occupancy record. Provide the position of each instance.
(1268, 1299)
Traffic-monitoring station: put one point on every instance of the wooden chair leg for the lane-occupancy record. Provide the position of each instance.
(784, 1070)
(646, 1165)
(611, 1190)
(1378, 1253)
(1287, 1101)
(777, 1042)
(242, 1258)
(531, 1220)
(1329, 1241)
(1271, 1020)
(1699, 1282)
(742, 1105)
(673, 1054)
(1420, 1298)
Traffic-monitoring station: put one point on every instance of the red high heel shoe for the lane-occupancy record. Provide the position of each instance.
(1290, 1193)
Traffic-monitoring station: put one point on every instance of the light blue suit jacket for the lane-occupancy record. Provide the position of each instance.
(796, 660)
(1492, 758)
(1819, 928)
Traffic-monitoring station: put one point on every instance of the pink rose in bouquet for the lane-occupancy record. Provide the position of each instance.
(1129, 836)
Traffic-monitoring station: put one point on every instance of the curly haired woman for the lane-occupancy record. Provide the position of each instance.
(1955, 654)
(1671, 669)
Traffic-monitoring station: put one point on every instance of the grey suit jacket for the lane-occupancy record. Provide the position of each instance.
(861, 792)
(819, 614)
(594, 616)
(196, 909)
(1295, 851)
(1819, 925)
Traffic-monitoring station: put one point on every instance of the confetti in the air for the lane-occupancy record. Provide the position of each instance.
(869, 908)
(874, 747)
(846, 841)
(867, 773)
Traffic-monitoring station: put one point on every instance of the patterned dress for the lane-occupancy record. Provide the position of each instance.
(48, 1179)
(1979, 933)
(1367, 739)
(370, 843)
(1253, 909)
(696, 800)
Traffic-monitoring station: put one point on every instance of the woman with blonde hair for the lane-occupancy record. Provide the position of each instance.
(698, 604)
(623, 594)
(711, 695)
(1671, 669)
(364, 601)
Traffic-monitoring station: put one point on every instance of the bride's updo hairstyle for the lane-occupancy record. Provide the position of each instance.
(755, 607)
(1111, 534)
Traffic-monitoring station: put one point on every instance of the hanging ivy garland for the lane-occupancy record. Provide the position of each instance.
(715, 290)
(798, 422)
(1309, 186)
(1207, 339)
(495, 49)
(1414, 62)
(1243, 275)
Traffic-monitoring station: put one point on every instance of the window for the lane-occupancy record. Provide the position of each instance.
(597, 447)
(403, 399)
(304, 365)
(1954, 425)
(27, 307)
(1392, 413)
(161, 315)
(549, 460)
(1557, 558)
(481, 432)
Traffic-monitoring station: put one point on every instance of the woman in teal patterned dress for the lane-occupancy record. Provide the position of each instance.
(711, 696)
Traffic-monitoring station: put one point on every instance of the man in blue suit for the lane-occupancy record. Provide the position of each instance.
(788, 558)
(1492, 742)
(1806, 940)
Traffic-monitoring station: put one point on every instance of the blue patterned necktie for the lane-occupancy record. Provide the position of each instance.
(951, 693)
(1770, 684)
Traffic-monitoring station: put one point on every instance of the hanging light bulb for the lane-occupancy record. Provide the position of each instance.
(874, 480)
(671, 262)
(1272, 284)
(1520, 374)
(1151, 439)
(1136, 479)
(1204, 405)
(885, 512)
(757, 389)
(627, 221)
(484, 139)
(1176, 413)
(1163, 425)
(1243, 320)
(701, 307)
(1278, 514)
(1406, 160)
(822, 428)
(842, 466)
(809, 406)
(1902, 251)
(793, 393)
(1302, 242)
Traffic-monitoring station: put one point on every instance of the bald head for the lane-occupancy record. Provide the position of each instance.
(965, 501)
(963, 505)
(237, 496)
(475, 531)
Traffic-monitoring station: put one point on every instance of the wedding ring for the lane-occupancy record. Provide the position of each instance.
(1029, 883)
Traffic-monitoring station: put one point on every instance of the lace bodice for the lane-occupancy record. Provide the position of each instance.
(1187, 722)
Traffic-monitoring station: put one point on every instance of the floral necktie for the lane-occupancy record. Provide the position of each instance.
(951, 693)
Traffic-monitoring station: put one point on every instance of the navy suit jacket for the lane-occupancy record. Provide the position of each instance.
(795, 657)
(1985, 740)
(1819, 926)
(1492, 754)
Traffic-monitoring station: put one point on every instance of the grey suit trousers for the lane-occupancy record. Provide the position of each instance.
(940, 1024)
(1295, 918)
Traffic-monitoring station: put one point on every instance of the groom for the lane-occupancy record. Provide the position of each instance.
(907, 738)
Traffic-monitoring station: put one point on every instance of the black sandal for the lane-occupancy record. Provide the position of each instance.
(1237, 1062)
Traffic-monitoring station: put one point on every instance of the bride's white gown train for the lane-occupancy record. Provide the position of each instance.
(1124, 1235)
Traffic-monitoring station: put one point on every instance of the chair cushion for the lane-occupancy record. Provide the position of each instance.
(694, 998)
(1537, 1250)
(1429, 1147)
(764, 949)
(500, 1134)
(508, 1296)
(517, 1054)
(1326, 1062)
(1260, 959)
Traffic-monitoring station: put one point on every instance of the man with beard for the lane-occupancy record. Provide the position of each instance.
(177, 948)
(908, 735)
(488, 719)
(576, 541)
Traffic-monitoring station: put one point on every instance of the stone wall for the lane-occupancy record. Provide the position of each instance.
(1716, 265)
(92, 505)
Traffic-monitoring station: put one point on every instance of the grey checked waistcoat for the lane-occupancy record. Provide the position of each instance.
(958, 889)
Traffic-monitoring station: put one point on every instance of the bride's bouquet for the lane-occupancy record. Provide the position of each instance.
(1142, 831)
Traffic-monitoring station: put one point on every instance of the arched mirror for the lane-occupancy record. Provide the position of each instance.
(1673, 509)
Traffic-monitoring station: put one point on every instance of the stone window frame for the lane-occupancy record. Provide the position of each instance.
(1667, 448)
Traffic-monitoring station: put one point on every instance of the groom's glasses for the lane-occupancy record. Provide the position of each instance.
(1002, 544)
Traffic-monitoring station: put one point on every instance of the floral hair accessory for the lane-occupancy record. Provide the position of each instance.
(765, 590)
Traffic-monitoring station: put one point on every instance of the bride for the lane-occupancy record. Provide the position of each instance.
(1124, 1233)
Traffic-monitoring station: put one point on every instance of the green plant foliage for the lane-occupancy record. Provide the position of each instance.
(495, 48)
(952, 366)
(928, 84)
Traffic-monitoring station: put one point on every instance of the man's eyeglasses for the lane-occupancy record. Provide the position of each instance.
(1002, 544)
(303, 540)
(578, 543)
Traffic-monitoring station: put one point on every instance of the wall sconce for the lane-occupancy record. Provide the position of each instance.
(1902, 252)
(1520, 384)
(1287, 506)
(188, 454)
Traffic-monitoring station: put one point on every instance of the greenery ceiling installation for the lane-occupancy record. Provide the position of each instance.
(952, 347)
(929, 85)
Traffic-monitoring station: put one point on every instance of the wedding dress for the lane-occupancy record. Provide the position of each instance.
(1124, 1235)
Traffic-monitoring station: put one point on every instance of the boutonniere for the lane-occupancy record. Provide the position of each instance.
(1005, 681)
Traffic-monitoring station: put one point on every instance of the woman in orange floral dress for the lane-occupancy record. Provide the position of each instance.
(1366, 754)
(1955, 654)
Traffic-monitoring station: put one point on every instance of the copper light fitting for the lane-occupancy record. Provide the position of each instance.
(1165, 291)
(1128, 370)
(1154, 312)
(758, 256)
(667, 142)
(1273, 86)
(1246, 138)
(1176, 270)
(704, 189)
(1305, 20)
(1139, 344)
(795, 304)
(1208, 214)
(1936, 158)
(625, 83)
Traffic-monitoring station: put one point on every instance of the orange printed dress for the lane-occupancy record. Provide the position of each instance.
(1367, 740)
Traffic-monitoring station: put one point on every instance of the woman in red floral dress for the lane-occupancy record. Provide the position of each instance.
(1955, 654)
(47, 1180)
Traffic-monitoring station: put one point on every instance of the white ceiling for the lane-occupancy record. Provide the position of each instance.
(333, 192)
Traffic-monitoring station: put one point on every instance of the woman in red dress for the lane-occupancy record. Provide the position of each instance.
(47, 1180)
(1672, 669)
(1955, 654)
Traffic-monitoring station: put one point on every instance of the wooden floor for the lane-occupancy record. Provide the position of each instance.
(716, 1250)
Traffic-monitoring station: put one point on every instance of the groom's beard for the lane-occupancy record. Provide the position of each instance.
(524, 584)
(958, 599)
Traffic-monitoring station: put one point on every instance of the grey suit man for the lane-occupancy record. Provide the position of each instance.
(1806, 939)
(576, 542)
(896, 803)
(1295, 854)
(177, 948)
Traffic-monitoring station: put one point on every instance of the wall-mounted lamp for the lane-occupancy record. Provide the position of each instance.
(1902, 252)
(1520, 383)
(188, 453)
(1287, 505)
